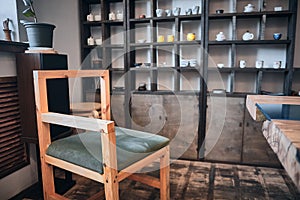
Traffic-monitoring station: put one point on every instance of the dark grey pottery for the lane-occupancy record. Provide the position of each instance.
(39, 34)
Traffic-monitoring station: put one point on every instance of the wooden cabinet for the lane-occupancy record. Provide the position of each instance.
(58, 95)
(240, 140)
(175, 117)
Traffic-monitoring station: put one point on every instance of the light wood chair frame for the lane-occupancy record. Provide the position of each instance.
(111, 176)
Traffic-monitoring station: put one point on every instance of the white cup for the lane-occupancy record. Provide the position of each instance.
(98, 41)
(259, 63)
(277, 64)
(97, 17)
(220, 65)
(90, 17)
(243, 63)
(193, 62)
(160, 12)
(168, 12)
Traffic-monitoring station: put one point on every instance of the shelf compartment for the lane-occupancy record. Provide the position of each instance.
(257, 52)
(187, 27)
(165, 56)
(268, 83)
(141, 32)
(166, 80)
(227, 6)
(245, 82)
(284, 13)
(218, 55)
(216, 80)
(141, 8)
(250, 25)
(189, 52)
(190, 81)
(224, 25)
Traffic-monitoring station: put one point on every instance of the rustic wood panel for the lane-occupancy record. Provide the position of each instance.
(173, 116)
(228, 147)
(283, 137)
(256, 149)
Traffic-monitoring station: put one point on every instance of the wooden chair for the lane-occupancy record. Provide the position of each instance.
(118, 154)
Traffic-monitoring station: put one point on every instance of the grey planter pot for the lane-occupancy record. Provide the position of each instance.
(39, 34)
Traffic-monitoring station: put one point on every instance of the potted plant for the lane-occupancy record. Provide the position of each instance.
(38, 34)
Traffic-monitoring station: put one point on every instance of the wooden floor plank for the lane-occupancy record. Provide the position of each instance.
(191, 180)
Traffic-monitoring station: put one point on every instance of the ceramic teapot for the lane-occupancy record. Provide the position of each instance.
(248, 36)
(220, 36)
(249, 8)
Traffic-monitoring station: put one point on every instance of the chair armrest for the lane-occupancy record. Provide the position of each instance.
(73, 121)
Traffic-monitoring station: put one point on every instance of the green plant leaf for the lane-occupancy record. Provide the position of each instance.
(28, 13)
(27, 2)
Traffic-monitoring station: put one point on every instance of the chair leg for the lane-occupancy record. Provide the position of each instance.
(111, 188)
(165, 175)
(48, 180)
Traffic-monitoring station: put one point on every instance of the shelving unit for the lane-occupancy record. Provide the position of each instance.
(262, 22)
(135, 39)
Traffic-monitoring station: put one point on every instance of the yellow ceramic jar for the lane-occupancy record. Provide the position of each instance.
(191, 36)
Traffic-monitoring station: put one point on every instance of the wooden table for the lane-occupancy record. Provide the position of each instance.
(282, 135)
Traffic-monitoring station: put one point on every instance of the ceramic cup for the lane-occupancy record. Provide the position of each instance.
(90, 17)
(160, 38)
(278, 8)
(97, 17)
(220, 65)
(195, 10)
(170, 38)
(243, 63)
(142, 16)
(98, 41)
(176, 11)
(259, 63)
(277, 36)
(277, 64)
(188, 11)
(220, 11)
(184, 63)
(191, 36)
(168, 12)
(193, 62)
(160, 12)
(248, 36)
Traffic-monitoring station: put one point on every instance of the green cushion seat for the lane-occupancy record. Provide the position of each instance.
(85, 149)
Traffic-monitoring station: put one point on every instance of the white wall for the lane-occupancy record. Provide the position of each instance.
(65, 15)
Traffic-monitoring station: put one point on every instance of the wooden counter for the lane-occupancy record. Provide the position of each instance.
(282, 135)
(252, 100)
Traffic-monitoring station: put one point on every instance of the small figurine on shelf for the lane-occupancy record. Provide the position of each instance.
(91, 41)
(112, 16)
(6, 29)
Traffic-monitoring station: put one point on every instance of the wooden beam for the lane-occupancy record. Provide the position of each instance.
(145, 179)
(141, 163)
(74, 168)
(53, 74)
(91, 124)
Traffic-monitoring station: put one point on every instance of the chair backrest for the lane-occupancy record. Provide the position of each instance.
(42, 76)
